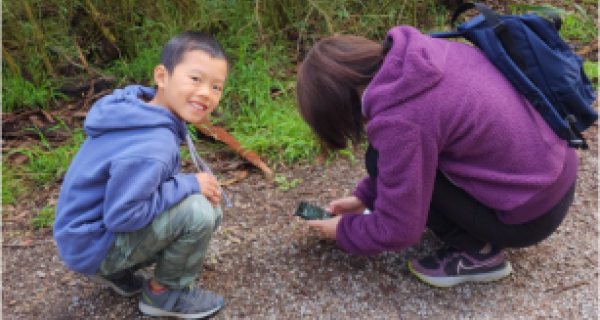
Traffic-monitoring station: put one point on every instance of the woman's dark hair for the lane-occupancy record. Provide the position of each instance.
(172, 52)
(327, 87)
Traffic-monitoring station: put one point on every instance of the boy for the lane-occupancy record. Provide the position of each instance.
(124, 204)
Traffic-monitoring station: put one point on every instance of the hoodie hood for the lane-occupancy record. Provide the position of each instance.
(124, 110)
(414, 64)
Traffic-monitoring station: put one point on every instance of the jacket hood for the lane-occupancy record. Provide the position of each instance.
(414, 64)
(125, 110)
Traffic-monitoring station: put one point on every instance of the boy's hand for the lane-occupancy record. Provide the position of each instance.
(327, 226)
(343, 205)
(209, 187)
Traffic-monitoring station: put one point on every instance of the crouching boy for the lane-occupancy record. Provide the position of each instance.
(124, 205)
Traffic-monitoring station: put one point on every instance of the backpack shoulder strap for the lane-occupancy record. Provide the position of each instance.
(499, 28)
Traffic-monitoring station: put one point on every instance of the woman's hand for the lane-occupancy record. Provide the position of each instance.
(343, 205)
(328, 226)
(209, 187)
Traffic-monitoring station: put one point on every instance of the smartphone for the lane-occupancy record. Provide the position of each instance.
(307, 211)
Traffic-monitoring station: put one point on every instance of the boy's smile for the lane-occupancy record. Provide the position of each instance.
(194, 88)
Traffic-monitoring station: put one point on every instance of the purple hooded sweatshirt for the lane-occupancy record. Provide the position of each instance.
(438, 104)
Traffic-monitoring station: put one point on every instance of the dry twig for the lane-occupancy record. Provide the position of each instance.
(567, 287)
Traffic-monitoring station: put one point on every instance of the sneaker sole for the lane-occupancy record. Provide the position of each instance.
(156, 312)
(445, 282)
(119, 291)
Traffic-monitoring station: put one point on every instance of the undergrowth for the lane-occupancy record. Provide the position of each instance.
(261, 39)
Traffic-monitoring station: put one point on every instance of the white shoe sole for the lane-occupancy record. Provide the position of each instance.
(156, 312)
(452, 281)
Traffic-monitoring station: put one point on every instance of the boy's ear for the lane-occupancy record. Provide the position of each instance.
(160, 76)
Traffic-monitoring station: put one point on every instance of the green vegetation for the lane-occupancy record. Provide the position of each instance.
(579, 26)
(591, 69)
(284, 184)
(48, 43)
(12, 186)
(45, 218)
(18, 92)
(44, 164)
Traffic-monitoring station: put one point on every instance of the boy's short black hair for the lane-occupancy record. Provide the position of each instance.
(172, 52)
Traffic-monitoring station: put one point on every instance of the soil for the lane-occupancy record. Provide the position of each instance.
(269, 264)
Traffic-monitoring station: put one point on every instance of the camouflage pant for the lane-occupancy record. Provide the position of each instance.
(177, 240)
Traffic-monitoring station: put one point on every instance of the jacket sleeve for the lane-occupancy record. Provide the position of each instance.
(139, 189)
(407, 166)
(366, 191)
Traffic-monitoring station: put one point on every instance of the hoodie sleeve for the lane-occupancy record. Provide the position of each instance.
(366, 192)
(139, 189)
(407, 165)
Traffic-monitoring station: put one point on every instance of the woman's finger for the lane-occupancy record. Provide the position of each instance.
(315, 223)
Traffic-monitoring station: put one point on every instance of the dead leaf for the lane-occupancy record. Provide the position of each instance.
(583, 51)
(262, 184)
(36, 121)
(26, 242)
(240, 174)
(232, 165)
(20, 216)
(48, 116)
(20, 159)
(80, 114)
(228, 283)
(235, 239)
(228, 182)
(41, 293)
(319, 159)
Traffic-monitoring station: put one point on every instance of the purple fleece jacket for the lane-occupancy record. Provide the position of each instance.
(438, 104)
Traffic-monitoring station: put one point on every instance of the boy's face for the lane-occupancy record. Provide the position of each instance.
(194, 89)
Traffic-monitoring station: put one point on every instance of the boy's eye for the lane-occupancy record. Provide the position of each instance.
(218, 88)
(195, 79)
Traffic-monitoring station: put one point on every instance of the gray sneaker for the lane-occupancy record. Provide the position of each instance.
(125, 282)
(188, 303)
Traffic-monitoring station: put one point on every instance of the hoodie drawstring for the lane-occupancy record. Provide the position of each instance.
(196, 159)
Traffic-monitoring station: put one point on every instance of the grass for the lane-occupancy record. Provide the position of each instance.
(579, 27)
(266, 123)
(12, 185)
(591, 69)
(259, 102)
(44, 218)
(18, 92)
(44, 165)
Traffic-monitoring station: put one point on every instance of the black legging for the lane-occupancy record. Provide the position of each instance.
(462, 221)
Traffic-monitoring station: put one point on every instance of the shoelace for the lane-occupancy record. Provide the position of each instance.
(198, 162)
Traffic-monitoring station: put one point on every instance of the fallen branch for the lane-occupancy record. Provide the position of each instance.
(569, 286)
(220, 134)
(79, 65)
(294, 282)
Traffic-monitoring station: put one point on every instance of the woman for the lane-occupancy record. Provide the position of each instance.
(453, 147)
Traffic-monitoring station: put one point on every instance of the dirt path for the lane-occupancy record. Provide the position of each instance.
(268, 264)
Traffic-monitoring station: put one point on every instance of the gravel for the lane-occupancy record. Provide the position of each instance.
(269, 265)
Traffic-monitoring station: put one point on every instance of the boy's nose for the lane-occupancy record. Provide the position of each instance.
(203, 90)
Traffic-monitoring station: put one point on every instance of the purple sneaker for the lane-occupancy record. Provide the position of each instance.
(449, 266)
